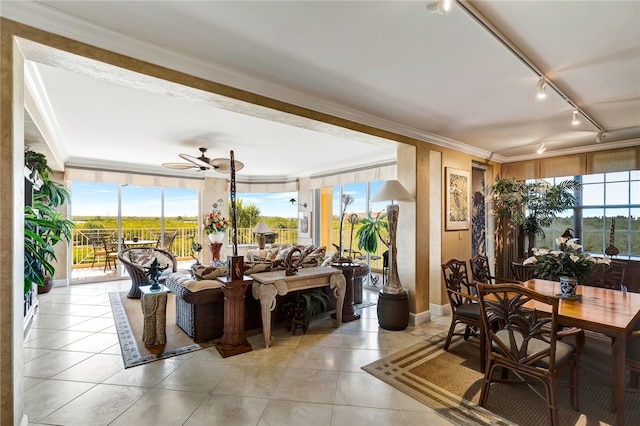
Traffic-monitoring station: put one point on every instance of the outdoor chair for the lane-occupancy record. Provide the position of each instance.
(165, 241)
(98, 249)
(522, 272)
(135, 259)
(481, 272)
(464, 304)
(527, 344)
(111, 250)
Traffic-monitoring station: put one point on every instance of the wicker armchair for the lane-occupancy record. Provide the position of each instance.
(133, 260)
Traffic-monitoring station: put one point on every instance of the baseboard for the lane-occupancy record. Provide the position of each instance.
(440, 310)
(421, 318)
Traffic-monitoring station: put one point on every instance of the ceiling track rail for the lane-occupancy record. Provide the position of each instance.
(491, 29)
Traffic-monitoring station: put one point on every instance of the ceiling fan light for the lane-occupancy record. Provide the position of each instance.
(575, 120)
(541, 149)
(440, 7)
(541, 88)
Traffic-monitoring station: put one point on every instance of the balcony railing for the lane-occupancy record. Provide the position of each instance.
(83, 254)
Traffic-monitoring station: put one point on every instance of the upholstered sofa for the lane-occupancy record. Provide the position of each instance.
(135, 259)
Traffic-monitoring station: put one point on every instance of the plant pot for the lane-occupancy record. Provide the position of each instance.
(216, 237)
(393, 311)
(48, 285)
(568, 286)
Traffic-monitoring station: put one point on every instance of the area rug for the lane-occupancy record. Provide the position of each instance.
(129, 324)
(450, 383)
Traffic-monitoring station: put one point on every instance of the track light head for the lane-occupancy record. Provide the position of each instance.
(440, 7)
(541, 88)
(600, 136)
(575, 120)
(541, 149)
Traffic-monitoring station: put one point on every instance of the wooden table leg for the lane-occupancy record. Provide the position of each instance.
(618, 377)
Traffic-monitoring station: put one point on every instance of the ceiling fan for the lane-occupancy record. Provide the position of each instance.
(202, 163)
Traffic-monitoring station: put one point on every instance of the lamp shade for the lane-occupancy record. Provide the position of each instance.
(392, 190)
(261, 228)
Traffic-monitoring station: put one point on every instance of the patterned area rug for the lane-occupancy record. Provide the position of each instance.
(449, 382)
(129, 324)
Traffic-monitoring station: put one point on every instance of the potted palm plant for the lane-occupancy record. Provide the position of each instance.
(531, 205)
(44, 226)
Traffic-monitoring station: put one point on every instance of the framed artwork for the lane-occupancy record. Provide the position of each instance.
(304, 225)
(457, 199)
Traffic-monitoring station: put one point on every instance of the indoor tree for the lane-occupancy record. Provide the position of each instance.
(531, 206)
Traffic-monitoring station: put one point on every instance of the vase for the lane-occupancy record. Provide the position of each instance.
(568, 286)
(216, 237)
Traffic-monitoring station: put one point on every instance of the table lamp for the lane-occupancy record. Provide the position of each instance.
(392, 190)
(261, 228)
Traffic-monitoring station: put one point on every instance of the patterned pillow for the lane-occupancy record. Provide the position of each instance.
(315, 257)
(331, 259)
(256, 267)
(206, 272)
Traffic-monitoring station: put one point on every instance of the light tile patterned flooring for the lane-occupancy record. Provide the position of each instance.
(74, 373)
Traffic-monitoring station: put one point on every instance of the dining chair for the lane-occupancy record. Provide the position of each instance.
(482, 274)
(527, 344)
(522, 272)
(464, 304)
(607, 276)
(632, 360)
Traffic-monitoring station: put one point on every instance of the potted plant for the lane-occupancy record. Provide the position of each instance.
(569, 264)
(44, 226)
(531, 206)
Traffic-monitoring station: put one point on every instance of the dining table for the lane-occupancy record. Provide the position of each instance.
(610, 312)
(140, 243)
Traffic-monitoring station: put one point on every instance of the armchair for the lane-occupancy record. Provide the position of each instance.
(134, 261)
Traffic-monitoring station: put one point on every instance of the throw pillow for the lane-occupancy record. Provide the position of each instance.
(206, 272)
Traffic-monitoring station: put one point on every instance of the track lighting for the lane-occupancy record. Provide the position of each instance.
(541, 88)
(576, 118)
(542, 148)
(440, 7)
(600, 136)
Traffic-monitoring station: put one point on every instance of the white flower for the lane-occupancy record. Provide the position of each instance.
(605, 260)
(556, 252)
(591, 259)
(542, 252)
(530, 260)
(574, 257)
(573, 244)
(560, 240)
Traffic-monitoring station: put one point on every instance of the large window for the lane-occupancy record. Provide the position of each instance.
(606, 198)
(128, 214)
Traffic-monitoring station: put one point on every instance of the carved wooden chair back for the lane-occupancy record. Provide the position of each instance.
(523, 337)
(480, 269)
(522, 272)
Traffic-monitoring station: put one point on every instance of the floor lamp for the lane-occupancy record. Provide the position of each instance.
(392, 190)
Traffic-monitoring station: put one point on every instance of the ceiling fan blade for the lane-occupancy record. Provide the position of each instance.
(223, 165)
(197, 161)
(179, 166)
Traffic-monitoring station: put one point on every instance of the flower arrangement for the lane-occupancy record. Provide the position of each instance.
(215, 222)
(569, 261)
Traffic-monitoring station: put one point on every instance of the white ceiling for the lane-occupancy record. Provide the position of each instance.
(390, 64)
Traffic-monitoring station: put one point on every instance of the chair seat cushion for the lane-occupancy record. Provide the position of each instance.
(563, 350)
(469, 310)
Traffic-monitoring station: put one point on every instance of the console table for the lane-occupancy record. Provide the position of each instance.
(266, 285)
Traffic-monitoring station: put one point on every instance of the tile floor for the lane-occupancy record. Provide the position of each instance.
(74, 373)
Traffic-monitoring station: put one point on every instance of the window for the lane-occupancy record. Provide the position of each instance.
(606, 198)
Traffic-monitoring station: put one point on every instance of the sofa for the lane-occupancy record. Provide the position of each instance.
(200, 302)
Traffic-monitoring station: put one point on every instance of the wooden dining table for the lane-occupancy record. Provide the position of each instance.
(602, 310)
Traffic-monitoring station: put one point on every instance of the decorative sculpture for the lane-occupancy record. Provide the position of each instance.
(154, 271)
(612, 250)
